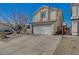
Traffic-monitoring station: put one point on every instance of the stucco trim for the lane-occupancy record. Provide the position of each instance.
(44, 22)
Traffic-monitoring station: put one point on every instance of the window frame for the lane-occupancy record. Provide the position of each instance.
(43, 15)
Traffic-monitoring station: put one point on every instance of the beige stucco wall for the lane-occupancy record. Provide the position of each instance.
(37, 16)
(78, 10)
(74, 28)
(75, 11)
(59, 21)
(55, 15)
(75, 18)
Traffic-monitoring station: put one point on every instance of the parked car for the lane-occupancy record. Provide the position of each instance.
(8, 31)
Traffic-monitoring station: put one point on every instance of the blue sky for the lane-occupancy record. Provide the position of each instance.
(30, 8)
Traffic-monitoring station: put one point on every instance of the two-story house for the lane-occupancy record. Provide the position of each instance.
(47, 20)
(75, 18)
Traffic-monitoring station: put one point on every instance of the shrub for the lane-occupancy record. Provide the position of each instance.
(2, 35)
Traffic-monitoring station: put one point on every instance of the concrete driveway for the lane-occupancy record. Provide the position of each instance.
(30, 45)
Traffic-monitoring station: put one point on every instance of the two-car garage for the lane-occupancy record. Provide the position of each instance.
(43, 29)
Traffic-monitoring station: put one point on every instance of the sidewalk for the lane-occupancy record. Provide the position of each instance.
(69, 45)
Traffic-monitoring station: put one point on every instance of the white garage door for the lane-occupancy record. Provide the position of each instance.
(43, 29)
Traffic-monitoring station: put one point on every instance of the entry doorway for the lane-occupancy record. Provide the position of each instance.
(78, 28)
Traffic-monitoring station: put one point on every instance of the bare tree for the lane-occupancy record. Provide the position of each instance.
(20, 20)
(7, 20)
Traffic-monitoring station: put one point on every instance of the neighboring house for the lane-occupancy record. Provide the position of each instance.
(47, 20)
(75, 18)
(28, 28)
(4, 26)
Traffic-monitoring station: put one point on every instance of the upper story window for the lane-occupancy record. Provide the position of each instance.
(43, 15)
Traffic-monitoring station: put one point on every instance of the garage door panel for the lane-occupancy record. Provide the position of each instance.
(43, 29)
(36, 30)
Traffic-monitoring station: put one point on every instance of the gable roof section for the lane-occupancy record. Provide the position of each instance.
(47, 7)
